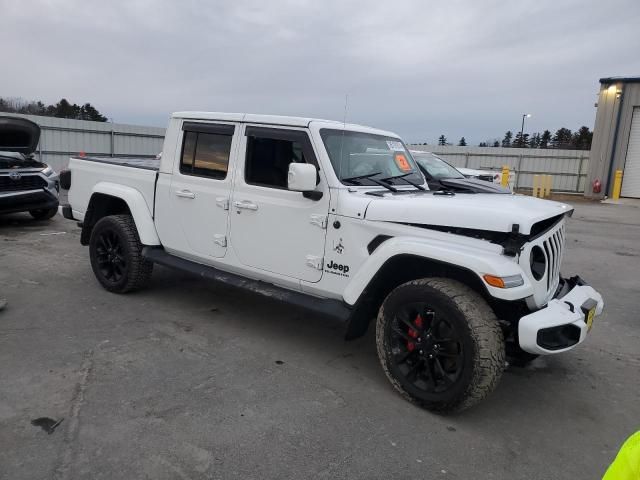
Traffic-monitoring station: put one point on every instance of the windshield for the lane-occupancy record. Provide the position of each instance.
(437, 168)
(355, 154)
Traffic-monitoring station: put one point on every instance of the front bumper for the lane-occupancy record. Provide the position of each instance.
(66, 211)
(41, 199)
(562, 324)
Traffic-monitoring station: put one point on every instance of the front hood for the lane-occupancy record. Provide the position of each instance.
(474, 173)
(474, 185)
(479, 211)
(18, 135)
(10, 160)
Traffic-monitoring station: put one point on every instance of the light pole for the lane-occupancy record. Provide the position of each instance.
(524, 115)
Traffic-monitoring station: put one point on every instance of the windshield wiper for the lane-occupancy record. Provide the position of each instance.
(360, 177)
(403, 177)
(369, 177)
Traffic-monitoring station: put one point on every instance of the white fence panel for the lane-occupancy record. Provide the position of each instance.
(61, 138)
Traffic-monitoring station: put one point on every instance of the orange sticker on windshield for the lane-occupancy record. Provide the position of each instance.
(402, 163)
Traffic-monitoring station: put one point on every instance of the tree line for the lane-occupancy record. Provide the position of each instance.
(62, 109)
(563, 139)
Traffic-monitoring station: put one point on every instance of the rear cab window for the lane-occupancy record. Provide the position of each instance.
(206, 149)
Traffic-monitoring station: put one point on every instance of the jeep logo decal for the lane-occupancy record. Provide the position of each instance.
(337, 269)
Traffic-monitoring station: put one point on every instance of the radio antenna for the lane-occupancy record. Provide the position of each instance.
(346, 103)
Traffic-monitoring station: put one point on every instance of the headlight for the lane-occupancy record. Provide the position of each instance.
(537, 262)
(48, 171)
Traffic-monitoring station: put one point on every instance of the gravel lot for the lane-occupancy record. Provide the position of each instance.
(191, 379)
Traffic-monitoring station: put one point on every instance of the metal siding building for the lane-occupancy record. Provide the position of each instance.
(61, 138)
(568, 167)
(616, 137)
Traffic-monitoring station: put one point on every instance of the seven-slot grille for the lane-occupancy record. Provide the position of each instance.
(25, 182)
(553, 246)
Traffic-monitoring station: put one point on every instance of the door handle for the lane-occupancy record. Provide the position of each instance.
(185, 194)
(246, 204)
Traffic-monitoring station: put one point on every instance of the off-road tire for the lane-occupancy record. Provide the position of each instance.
(137, 270)
(480, 335)
(43, 213)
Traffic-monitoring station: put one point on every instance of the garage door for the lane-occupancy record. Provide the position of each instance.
(631, 178)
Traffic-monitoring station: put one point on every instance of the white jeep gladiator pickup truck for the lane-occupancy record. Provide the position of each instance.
(337, 218)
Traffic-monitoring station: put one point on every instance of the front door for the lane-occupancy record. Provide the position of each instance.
(201, 188)
(272, 228)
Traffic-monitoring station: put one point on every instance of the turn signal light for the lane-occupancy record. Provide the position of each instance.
(494, 281)
(504, 282)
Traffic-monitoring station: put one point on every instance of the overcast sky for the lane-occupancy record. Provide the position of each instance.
(419, 68)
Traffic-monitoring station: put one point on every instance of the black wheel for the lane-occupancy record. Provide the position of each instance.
(43, 213)
(440, 344)
(116, 255)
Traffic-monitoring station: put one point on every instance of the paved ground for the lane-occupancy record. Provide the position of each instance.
(189, 379)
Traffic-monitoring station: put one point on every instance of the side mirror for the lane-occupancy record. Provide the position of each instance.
(301, 177)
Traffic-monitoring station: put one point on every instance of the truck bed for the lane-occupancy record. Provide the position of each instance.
(146, 163)
(99, 174)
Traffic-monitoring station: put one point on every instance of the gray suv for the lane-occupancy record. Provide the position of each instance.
(26, 185)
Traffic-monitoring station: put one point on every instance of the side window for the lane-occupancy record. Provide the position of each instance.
(188, 151)
(268, 159)
(205, 154)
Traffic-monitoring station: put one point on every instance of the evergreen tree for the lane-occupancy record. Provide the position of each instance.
(535, 140)
(496, 143)
(545, 139)
(506, 141)
(442, 140)
(581, 140)
(483, 144)
(88, 112)
(39, 108)
(521, 141)
(462, 142)
(62, 109)
(562, 138)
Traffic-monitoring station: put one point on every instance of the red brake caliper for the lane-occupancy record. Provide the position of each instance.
(414, 333)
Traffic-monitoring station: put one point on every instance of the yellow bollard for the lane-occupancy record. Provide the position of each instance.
(536, 185)
(548, 185)
(505, 176)
(617, 185)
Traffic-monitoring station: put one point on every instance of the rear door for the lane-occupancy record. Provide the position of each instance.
(273, 228)
(201, 187)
